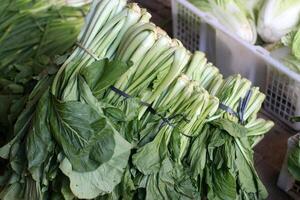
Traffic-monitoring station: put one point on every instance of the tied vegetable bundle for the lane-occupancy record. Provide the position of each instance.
(294, 158)
(132, 114)
(32, 33)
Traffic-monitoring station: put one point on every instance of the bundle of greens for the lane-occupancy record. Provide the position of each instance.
(33, 34)
(132, 114)
(294, 157)
(226, 156)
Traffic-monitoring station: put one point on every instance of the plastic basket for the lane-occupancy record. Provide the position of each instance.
(283, 96)
(285, 181)
(201, 31)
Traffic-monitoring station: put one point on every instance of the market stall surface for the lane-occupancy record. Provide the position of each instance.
(269, 155)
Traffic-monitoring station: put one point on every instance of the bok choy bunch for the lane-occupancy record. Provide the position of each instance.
(222, 153)
(132, 114)
(33, 34)
(294, 157)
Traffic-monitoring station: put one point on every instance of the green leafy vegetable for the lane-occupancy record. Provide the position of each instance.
(294, 162)
(33, 35)
(158, 133)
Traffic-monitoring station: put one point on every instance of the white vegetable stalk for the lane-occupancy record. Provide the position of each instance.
(104, 38)
(258, 127)
(156, 59)
(134, 15)
(133, 43)
(215, 85)
(208, 75)
(135, 46)
(240, 92)
(277, 18)
(197, 111)
(77, 3)
(181, 58)
(254, 104)
(196, 66)
(99, 19)
(133, 31)
(99, 14)
(162, 44)
(169, 70)
(180, 84)
(159, 69)
(183, 96)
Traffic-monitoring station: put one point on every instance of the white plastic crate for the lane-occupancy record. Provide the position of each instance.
(286, 181)
(201, 31)
(283, 96)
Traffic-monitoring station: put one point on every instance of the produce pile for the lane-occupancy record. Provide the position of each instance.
(294, 158)
(288, 50)
(267, 23)
(32, 33)
(132, 114)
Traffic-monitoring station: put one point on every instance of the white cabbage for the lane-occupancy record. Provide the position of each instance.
(277, 18)
(236, 18)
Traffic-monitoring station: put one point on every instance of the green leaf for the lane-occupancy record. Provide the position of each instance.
(171, 182)
(11, 192)
(85, 135)
(65, 190)
(294, 163)
(126, 188)
(20, 129)
(247, 176)
(102, 74)
(24, 74)
(88, 185)
(198, 152)
(115, 113)
(224, 185)
(16, 108)
(149, 157)
(39, 140)
(296, 119)
(94, 72)
(296, 45)
(24, 119)
(7, 102)
(234, 129)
